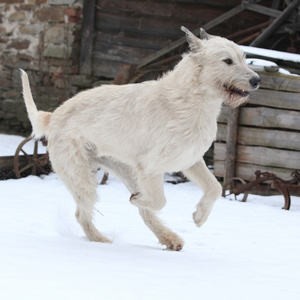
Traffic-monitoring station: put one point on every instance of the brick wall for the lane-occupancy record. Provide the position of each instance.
(43, 38)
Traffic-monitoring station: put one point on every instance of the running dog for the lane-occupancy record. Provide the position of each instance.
(140, 131)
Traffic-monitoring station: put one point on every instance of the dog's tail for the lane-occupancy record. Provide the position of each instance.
(39, 119)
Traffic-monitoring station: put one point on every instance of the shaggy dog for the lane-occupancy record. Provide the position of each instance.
(140, 131)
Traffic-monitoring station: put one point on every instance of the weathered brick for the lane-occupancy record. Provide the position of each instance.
(74, 19)
(25, 7)
(17, 16)
(70, 12)
(57, 51)
(2, 30)
(5, 83)
(11, 94)
(50, 14)
(11, 1)
(61, 2)
(55, 34)
(31, 29)
(37, 1)
(81, 81)
(8, 115)
(18, 44)
(10, 105)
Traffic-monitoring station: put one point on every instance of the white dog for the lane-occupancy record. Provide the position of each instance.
(140, 131)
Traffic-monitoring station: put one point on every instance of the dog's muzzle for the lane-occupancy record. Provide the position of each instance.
(233, 90)
(255, 82)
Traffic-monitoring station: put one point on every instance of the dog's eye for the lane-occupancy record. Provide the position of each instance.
(228, 61)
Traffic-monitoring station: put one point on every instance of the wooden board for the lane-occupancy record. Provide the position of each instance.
(263, 137)
(279, 82)
(277, 99)
(155, 25)
(247, 171)
(261, 156)
(265, 117)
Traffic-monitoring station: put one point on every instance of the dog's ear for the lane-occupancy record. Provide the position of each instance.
(204, 35)
(194, 43)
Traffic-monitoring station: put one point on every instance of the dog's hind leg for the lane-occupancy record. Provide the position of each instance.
(201, 175)
(147, 190)
(151, 192)
(73, 166)
(165, 235)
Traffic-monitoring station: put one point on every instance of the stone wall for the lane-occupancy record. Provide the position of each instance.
(43, 38)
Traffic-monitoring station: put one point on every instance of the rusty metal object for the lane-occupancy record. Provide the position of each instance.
(264, 181)
(35, 164)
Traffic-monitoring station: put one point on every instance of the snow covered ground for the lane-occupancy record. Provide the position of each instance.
(245, 251)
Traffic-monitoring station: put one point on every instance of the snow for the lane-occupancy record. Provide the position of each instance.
(271, 53)
(266, 63)
(9, 144)
(244, 251)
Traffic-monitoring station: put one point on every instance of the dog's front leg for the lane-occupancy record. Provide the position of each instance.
(201, 175)
(151, 193)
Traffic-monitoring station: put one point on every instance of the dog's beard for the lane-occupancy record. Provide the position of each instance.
(234, 96)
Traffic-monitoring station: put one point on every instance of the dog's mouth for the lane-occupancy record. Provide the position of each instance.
(233, 90)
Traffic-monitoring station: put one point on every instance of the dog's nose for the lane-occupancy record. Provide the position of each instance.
(254, 82)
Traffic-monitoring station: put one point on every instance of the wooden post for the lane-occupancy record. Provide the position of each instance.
(231, 140)
(87, 37)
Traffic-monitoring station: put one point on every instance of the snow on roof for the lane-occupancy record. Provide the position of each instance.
(271, 53)
(257, 65)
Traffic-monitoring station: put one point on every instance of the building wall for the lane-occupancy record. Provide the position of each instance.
(43, 38)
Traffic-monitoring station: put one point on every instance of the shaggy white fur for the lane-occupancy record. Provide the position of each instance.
(140, 131)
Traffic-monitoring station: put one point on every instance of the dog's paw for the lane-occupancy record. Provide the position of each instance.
(98, 237)
(200, 216)
(175, 246)
(172, 242)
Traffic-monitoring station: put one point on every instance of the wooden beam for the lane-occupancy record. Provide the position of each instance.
(87, 37)
(262, 9)
(182, 40)
(277, 22)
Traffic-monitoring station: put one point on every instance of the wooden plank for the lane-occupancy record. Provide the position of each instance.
(148, 25)
(85, 63)
(137, 40)
(123, 54)
(246, 171)
(270, 117)
(276, 99)
(263, 137)
(265, 117)
(163, 9)
(261, 9)
(261, 156)
(279, 82)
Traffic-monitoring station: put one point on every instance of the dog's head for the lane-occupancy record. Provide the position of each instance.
(223, 66)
